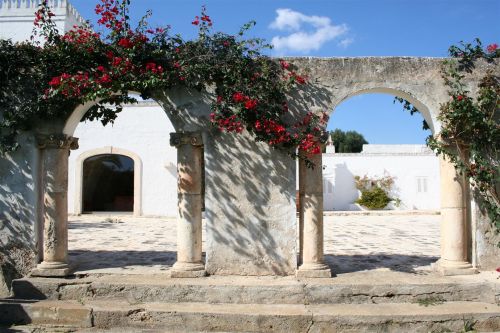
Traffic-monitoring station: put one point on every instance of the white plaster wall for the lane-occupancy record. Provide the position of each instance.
(339, 171)
(16, 18)
(143, 129)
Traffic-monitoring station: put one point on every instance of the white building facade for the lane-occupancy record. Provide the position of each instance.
(414, 168)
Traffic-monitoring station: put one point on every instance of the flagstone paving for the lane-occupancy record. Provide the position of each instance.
(142, 245)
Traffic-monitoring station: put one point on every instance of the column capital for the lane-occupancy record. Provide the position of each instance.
(56, 141)
(186, 138)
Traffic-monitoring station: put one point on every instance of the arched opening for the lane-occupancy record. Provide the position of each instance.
(125, 174)
(108, 183)
(381, 185)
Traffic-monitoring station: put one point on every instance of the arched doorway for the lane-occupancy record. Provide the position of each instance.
(108, 183)
(108, 179)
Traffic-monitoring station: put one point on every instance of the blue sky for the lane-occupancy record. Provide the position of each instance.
(330, 28)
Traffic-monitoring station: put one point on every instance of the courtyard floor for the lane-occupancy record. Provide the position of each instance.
(129, 245)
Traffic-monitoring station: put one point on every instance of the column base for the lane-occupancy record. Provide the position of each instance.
(53, 269)
(188, 270)
(313, 271)
(451, 268)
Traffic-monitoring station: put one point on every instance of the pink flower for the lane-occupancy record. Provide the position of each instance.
(492, 48)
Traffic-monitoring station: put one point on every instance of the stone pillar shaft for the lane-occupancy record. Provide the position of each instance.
(454, 233)
(311, 216)
(189, 187)
(55, 152)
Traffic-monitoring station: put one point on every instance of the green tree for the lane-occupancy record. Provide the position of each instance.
(347, 142)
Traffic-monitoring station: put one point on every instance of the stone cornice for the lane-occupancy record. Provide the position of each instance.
(56, 141)
(186, 138)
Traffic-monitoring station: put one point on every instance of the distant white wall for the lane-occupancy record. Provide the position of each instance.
(143, 129)
(416, 177)
(17, 16)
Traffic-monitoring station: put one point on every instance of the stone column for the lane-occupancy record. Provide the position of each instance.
(189, 188)
(311, 224)
(454, 232)
(54, 159)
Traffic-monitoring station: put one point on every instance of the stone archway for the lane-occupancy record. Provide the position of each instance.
(137, 207)
(418, 80)
(250, 192)
(56, 147)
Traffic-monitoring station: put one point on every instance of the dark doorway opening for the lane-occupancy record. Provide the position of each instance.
(108, 183)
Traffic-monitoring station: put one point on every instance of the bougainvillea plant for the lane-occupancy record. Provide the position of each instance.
(48, 82)
(470, 132)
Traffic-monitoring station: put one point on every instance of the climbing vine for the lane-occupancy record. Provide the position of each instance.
(470, 132)
(44, 82)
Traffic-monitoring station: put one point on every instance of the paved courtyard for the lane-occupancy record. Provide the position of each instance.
(124, 244)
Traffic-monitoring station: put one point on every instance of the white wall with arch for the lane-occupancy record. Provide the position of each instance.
(143, 130)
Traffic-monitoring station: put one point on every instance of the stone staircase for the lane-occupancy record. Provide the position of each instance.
(356, 302)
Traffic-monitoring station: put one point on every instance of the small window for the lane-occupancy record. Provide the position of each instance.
(421, 184)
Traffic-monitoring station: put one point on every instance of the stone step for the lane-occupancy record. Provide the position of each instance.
(98, 315)
(356, 289)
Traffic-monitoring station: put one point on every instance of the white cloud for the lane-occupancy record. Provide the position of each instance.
(300, 39)
(344, 43)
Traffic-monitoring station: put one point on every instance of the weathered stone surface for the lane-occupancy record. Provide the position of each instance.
(357, 288)
(487, 241)
(19, 206)
(53, 313)
(390, 317)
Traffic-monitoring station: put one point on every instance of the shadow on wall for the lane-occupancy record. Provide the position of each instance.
(250, 207)
(18, 211)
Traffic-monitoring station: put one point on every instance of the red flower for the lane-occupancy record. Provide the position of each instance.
(117, 61)
(206, 18)
(300, 79)
(101, 68)
(55, 81)
(196, 20)
(498, 269)
(492, 48)
(460, 97)
(284, 64)
(238, 97)
(258, 125)
(126, 43)
(251, 104)
(105, 79)
(151, 66)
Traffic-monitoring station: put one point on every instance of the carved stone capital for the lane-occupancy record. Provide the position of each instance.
(186, 138)
(56, 141)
